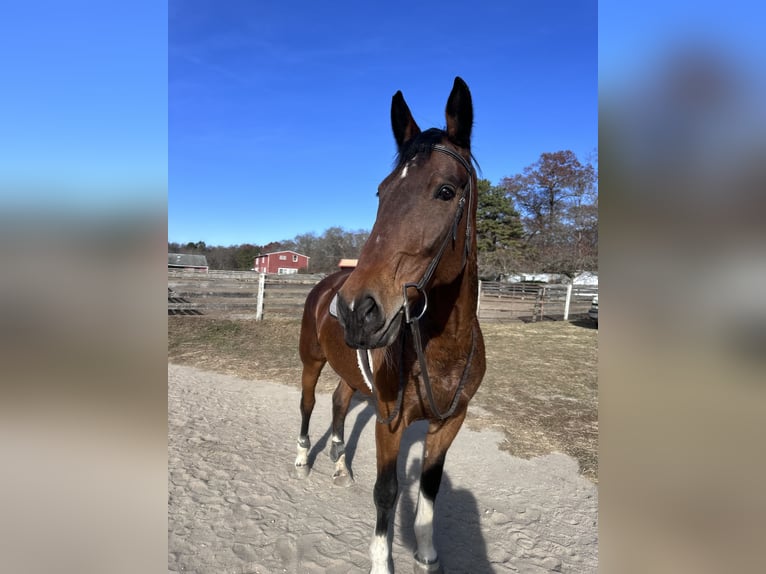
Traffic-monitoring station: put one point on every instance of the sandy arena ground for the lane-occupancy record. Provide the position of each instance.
(235, 505)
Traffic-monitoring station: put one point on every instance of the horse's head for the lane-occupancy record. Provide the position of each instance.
(424, 231)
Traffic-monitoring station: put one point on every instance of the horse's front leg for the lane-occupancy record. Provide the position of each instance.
(309, 378)
(341, 399)
(438, 440)
(386, 489)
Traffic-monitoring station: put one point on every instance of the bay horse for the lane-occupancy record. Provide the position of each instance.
(402, 325)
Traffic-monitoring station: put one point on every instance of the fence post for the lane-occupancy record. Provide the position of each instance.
(259, 301)
(538, 308)
(566, 302)
(478, 300)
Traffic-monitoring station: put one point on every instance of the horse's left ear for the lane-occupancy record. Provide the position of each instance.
(402, 123)
(460, 114)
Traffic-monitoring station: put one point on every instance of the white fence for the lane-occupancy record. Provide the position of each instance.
(246, 293)
(534, 301)
(237, 292)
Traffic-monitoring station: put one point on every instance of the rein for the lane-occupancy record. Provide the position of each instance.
(413, 321)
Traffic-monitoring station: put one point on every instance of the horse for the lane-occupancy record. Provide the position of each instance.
(402, 326)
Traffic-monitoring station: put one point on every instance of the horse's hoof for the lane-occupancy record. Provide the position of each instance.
(343, 479)
(420, 567)
(302, 471)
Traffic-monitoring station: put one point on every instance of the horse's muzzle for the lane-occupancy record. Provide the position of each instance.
(365, 324)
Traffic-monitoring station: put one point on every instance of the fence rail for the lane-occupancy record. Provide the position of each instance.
(238, 292)
(533, 301)
(253, 294)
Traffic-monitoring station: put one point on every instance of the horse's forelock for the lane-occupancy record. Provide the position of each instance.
(422, 143)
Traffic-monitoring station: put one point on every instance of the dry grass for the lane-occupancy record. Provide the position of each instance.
(540, 389)
(541, 386)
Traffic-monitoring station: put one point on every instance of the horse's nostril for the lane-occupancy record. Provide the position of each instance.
(362, 320)
(363, 315)
(368, 309)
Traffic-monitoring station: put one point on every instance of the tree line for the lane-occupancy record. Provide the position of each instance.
(543, 220)
(325, 250)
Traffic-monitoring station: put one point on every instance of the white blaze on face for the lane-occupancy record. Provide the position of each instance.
(406, 167)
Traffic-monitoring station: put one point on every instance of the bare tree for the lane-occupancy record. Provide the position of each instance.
(557, 198)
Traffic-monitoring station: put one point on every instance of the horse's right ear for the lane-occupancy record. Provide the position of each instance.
(402, 123)
(460, 114)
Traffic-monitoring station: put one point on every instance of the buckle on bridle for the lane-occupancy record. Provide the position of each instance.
(408, 318)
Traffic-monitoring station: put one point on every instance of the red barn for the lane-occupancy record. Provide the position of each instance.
(281, 262)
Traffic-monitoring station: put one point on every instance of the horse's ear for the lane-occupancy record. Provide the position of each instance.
(460, 114)
(402, 123)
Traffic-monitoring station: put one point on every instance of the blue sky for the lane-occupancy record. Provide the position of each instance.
(230, 110)
(83, 107)
(635, 40)
(279, 111)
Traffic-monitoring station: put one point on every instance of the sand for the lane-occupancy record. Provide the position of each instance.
(236, 506)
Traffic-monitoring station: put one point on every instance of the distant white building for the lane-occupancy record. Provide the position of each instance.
(536, 277)
(586, 278)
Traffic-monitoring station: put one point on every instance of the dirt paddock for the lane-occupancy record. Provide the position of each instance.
(236, 506)
(540, 390)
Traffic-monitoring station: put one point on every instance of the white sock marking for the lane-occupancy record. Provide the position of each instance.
(302, 459)
(379, 554)
(424, 528)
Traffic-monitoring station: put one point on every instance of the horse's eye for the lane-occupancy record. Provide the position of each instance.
(445, 193)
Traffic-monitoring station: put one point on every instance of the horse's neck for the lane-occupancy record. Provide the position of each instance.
(454, 306)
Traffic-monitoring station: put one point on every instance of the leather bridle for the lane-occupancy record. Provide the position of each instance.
(413, 320)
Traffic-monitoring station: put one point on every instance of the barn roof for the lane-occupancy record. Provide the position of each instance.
(284, 251)
(185, 260)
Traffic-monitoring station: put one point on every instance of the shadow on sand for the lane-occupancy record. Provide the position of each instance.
(457, 521)
(351, 435)
(586, 323)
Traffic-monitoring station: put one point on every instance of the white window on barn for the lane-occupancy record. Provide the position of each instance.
(295, 259)
(283, 257)
(286, 271)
